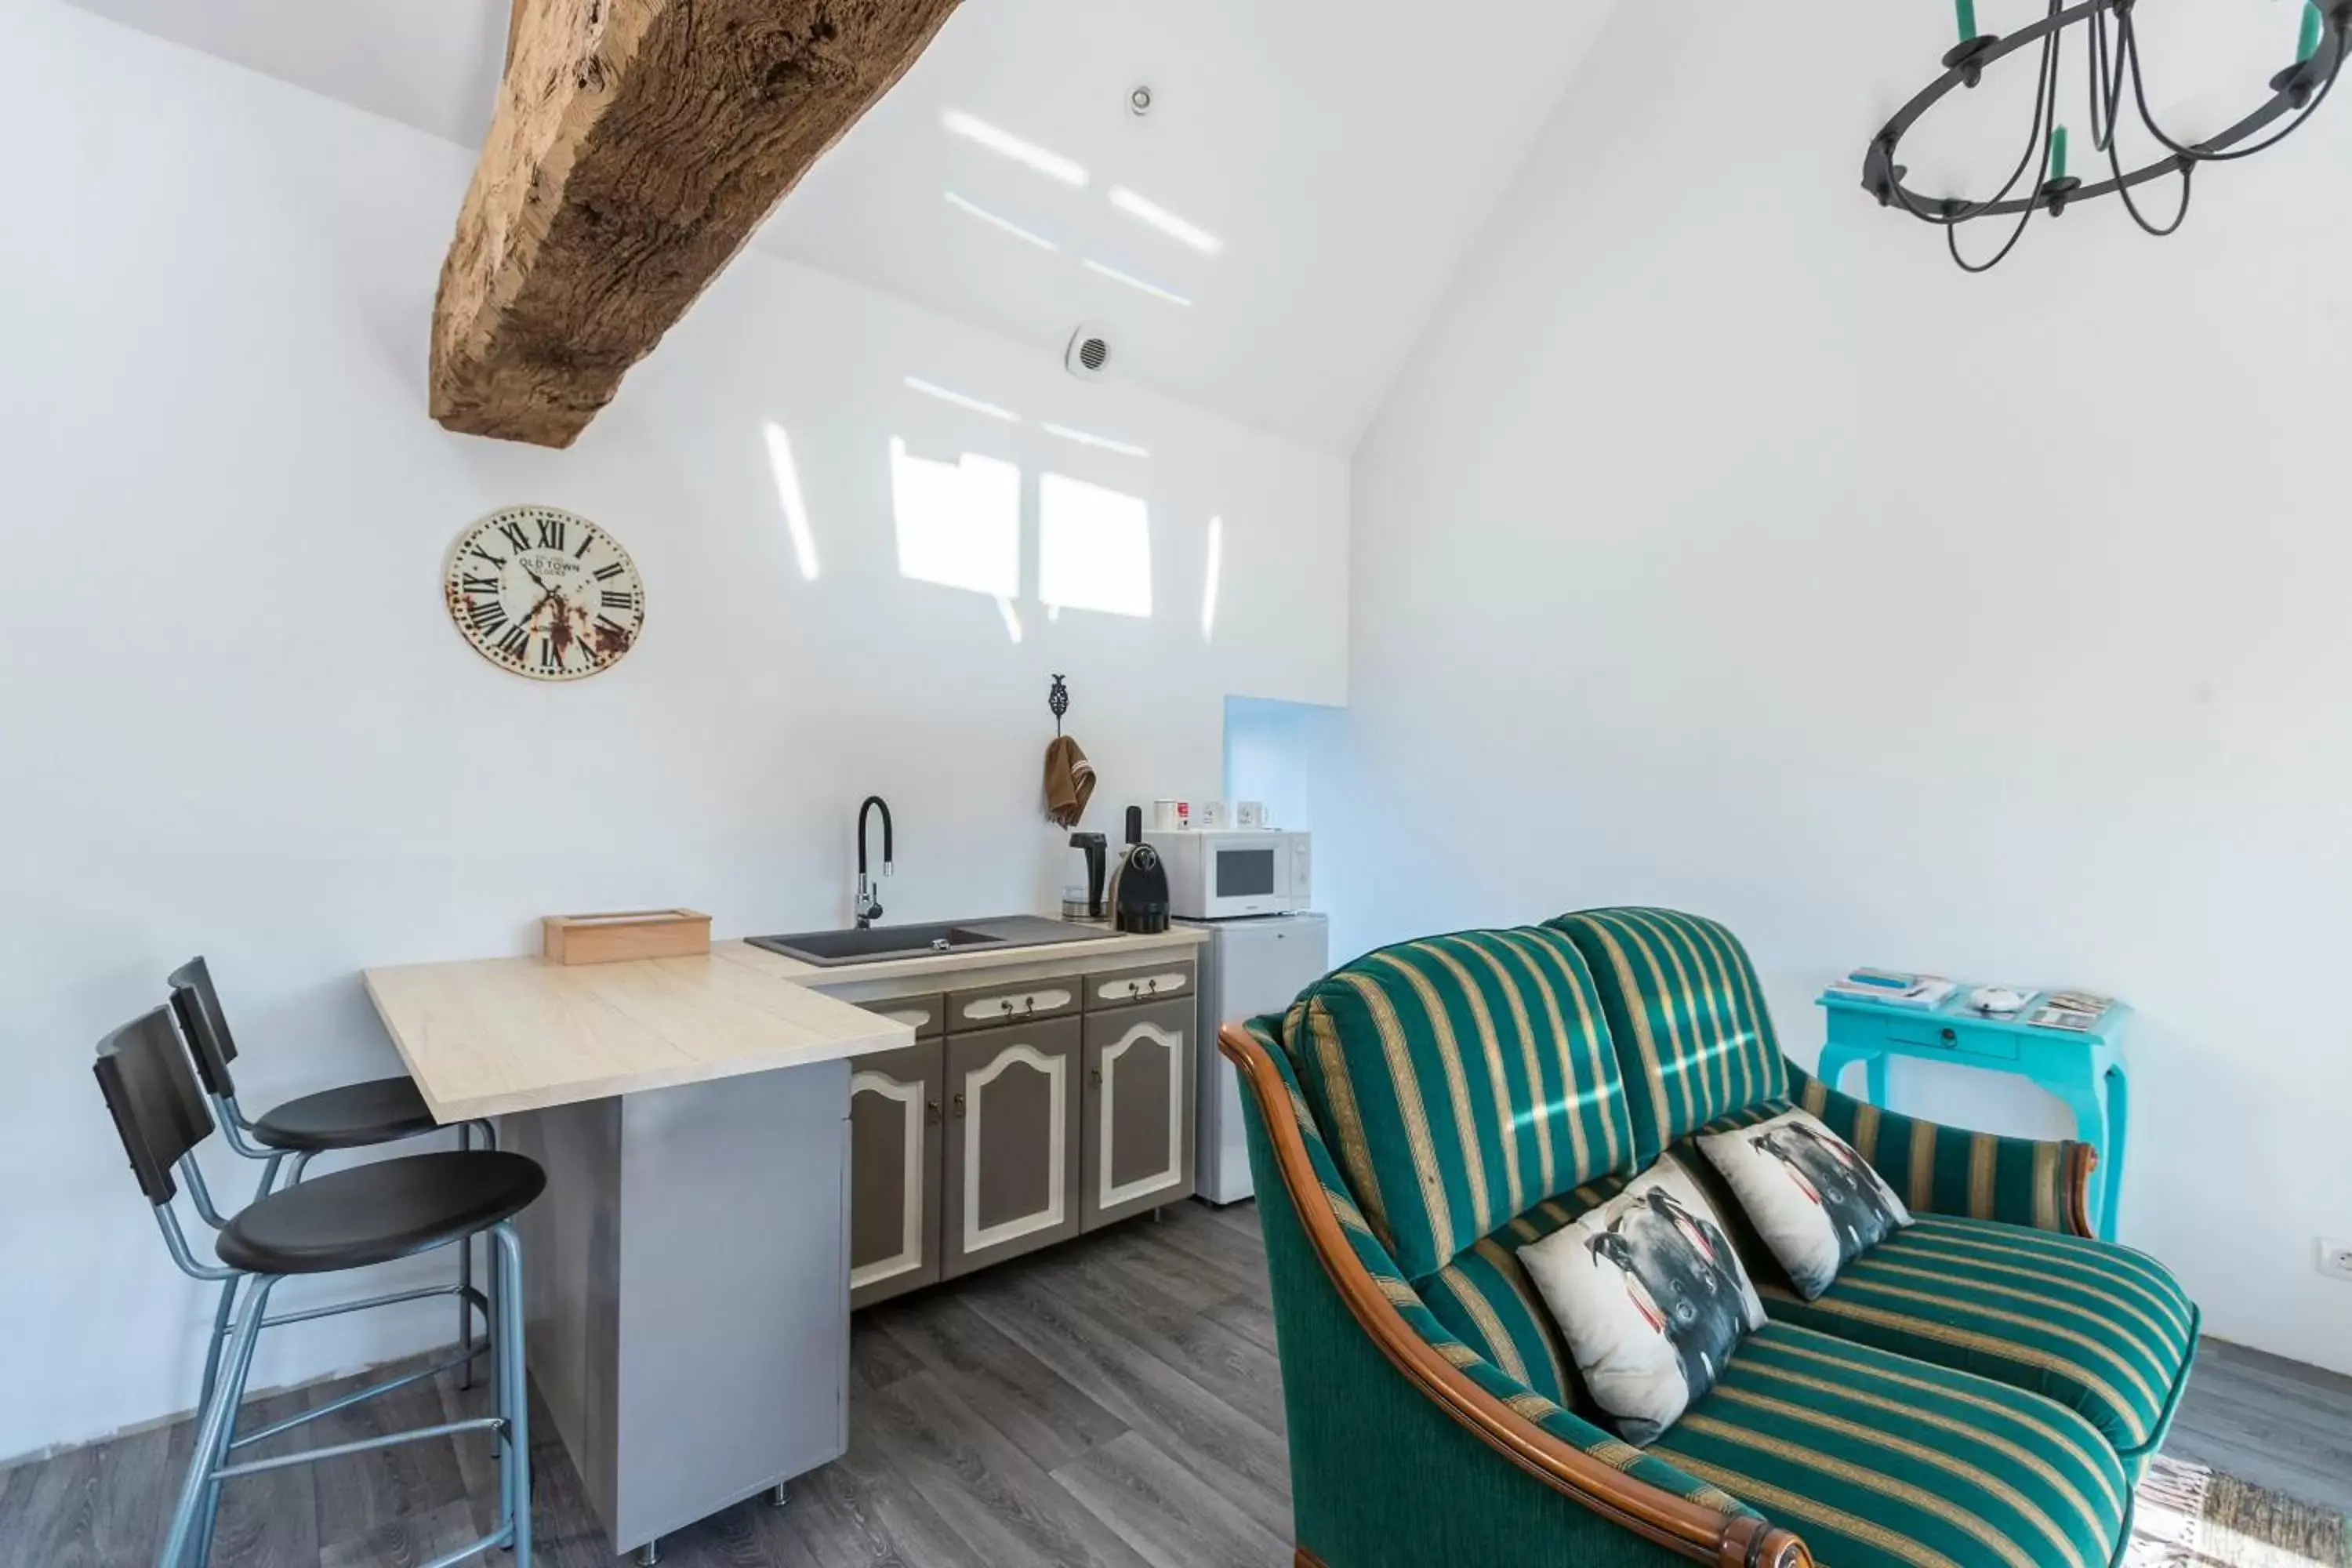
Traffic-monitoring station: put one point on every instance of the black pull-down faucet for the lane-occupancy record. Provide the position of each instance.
(869, 907)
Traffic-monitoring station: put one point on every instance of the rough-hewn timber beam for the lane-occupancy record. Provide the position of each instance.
(636, 146)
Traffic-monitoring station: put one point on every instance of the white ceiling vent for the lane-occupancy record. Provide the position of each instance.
(1089, 353)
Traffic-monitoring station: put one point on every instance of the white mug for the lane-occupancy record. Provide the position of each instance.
(1213, 813)
(1249, 814)
(1168, 815)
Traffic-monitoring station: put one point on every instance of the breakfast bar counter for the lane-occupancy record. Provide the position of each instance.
(687, 1307)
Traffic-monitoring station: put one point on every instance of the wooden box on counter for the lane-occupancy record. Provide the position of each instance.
(625, 934)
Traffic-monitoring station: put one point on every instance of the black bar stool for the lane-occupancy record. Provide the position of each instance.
(342, 1221)
(354, 1116)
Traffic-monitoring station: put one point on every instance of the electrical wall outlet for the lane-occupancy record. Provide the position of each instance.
(2335, 1257)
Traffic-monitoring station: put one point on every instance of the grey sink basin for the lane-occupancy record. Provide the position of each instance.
(831, 949)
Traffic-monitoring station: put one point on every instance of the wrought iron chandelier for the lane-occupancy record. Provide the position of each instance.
(2112, 55)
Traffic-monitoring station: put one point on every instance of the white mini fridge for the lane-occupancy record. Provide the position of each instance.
(1249, 966)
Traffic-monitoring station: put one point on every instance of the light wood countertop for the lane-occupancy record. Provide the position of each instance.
(493, 1037)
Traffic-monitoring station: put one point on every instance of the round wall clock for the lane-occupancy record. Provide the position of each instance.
(544, 593)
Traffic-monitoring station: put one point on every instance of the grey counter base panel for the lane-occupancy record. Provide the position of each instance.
(687, 1307)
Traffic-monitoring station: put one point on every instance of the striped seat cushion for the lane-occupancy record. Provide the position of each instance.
(1876, 1459)
(2100, 1329)
(1461, 1080)
(1688, 1015)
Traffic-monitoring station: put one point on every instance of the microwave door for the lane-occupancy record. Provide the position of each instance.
(1242, 879)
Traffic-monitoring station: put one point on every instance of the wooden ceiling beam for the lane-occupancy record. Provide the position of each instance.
(636, 147)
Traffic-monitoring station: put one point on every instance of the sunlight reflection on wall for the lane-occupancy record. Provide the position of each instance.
(959, 524)
(1094, 547)
(789, 496)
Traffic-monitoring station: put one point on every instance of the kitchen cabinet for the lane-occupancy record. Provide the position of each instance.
(1137, 1127)
(896, 1116)
(1012, 1135)
(1026, 1112)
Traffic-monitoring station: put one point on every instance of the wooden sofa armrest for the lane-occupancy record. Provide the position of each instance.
(1687, 1528)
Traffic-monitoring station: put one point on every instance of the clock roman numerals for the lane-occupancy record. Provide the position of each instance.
(580, 610)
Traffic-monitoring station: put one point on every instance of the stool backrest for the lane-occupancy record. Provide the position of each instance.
(158, 1109)
(206, 1027)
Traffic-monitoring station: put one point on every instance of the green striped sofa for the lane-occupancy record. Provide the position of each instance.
(1982, 1390)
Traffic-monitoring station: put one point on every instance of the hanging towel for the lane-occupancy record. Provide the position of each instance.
(1069, 782)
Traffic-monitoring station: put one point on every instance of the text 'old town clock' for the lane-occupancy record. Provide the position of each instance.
(544, 593)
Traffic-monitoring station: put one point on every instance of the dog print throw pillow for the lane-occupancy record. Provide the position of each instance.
(1649, 1296)
(1817, 1205)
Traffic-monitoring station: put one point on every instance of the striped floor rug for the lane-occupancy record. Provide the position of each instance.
(2190, 1517)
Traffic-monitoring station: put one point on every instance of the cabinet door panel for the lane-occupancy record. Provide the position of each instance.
(895, 1101)
(1012, 1141)
(1138, 1127)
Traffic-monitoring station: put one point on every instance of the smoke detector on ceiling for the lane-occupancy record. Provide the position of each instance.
(1088, 356)
(1139, 102)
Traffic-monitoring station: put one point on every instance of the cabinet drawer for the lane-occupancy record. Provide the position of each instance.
(984, 1007)
(1145, 983)
(927, 1015)
(1931, 1036)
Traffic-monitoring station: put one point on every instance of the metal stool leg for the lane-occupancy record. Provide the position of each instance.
(219, 1342)
(466, 1282)
(182, 1548)
(514, 1389)
(467, 1132)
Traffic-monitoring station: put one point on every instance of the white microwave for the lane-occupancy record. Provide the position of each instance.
(1219, 875)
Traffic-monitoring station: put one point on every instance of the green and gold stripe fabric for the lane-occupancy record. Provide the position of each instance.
(1945, 1169)
(1693, 1035)
(1490, 1302)
(2100, 1329)
(1470, 1357)
(1879, 1461)
(1465, 1080)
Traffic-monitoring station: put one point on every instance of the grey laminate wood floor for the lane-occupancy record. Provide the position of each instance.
(1114, 1401)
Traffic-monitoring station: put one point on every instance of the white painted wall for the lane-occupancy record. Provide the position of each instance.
(1726, 547)
(233, 718)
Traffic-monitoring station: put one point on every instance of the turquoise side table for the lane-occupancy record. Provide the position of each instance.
(2083, 1068)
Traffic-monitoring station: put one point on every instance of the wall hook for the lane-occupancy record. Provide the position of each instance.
(1058, 699)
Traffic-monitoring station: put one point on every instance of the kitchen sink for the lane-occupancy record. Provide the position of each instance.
(876, 944)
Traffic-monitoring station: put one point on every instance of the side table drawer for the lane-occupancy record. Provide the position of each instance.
(1933, 1036)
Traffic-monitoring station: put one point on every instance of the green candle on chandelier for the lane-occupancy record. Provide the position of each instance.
(1967, 10)
(2311, 25)
(2058, 154)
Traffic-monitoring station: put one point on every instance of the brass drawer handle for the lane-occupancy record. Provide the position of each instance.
(1135, 988)
(1951, 1036)
(959, 1104)
(1007, 1006)
(1096, 1076)
(931, 1111)
(1154, 988)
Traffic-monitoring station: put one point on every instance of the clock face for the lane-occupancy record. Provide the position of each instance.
(544, 593)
